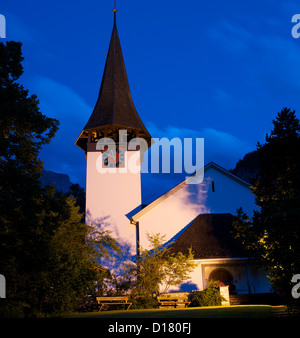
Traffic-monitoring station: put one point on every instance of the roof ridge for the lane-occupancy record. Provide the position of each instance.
(178, 186)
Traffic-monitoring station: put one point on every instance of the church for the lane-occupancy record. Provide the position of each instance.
(189, 215)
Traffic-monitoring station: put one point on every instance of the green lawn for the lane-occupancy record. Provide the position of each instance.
(239, 311)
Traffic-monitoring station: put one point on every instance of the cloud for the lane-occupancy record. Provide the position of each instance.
(220, 147)
(269, 53)
(279, 65)
(17, 30)
(61, 155)
(231, 36)
(61, 102)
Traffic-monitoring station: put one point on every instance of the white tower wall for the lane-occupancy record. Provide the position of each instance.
(112, 193)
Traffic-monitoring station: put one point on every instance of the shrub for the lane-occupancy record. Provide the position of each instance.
(208, 297)
(144, 303)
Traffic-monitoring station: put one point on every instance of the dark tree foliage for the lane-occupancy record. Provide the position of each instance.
(77, 192)
(47, 255)
(273, 233)
(248, 167)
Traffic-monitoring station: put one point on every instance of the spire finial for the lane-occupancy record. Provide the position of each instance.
(115, 6)
(115, 11)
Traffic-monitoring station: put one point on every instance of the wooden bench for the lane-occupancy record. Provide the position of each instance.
(108, 301)
(173, 301)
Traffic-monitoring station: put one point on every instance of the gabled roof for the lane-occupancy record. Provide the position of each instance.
(183, 183)
(210, 236)
(114, 106)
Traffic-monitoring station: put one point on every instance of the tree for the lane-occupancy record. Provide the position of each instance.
(79, 194)
(23, 131)
(273, 233)
(73, 267)
(47, 255)
(157, 267)
(177, 268)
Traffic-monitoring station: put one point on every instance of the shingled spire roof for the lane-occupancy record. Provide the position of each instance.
(114, 106)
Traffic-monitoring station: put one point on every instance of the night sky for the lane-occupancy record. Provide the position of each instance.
(219, 70)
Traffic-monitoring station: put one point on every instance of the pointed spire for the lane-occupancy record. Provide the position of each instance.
(114, 107)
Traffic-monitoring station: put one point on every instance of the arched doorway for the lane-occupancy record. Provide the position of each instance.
(224, 276)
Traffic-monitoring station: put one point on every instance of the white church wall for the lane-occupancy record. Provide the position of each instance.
(111, 195)
(195, 283)
(229, 194)
(171, 215)
(200, 277)
(175, 210)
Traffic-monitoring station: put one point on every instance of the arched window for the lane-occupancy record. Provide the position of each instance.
(222, 275)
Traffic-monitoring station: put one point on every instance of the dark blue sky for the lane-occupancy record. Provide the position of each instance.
(219, 70)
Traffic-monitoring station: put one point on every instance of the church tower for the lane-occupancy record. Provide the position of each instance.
(113, 176)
